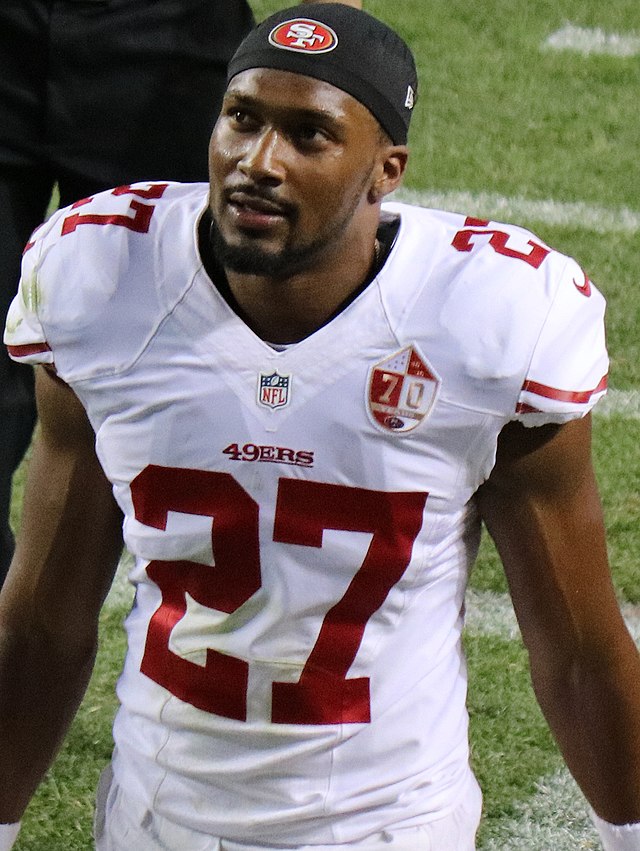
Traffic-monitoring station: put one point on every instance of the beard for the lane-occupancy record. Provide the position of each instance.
(250, 258)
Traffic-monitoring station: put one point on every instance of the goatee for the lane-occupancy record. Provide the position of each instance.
(251, 259)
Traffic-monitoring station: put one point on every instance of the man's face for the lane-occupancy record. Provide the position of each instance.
(291, 161)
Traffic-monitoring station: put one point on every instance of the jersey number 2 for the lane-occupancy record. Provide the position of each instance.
(323, 693)
(463, 241)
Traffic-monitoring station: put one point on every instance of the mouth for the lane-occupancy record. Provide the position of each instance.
(255, 210)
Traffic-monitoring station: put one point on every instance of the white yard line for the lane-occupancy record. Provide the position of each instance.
(589, 40)
(492, 614)
(554, 819)
(623, 403)
(516, 210)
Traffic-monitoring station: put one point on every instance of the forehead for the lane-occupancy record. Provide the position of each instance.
(290, 92)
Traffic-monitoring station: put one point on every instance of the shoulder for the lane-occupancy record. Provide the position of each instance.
(473, 264)
(106, 269)
(133, 218)
(502, 308)
(456, 244)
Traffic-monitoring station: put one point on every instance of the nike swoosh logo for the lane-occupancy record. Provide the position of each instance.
(584, 288)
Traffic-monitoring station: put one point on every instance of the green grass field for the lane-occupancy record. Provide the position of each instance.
(503, 123)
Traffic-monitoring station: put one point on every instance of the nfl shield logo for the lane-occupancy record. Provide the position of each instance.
(402, 390)
(273, 390)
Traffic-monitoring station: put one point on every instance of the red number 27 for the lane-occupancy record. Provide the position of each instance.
(138, 222)
(323, 694)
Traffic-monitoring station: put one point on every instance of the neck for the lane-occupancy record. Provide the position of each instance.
(289, 308)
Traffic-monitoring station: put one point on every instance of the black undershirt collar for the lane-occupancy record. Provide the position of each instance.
(386, 236)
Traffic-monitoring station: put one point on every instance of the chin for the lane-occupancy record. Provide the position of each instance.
(250, 261)
(249, 258)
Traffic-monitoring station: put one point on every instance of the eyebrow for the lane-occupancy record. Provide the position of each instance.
(321, 116)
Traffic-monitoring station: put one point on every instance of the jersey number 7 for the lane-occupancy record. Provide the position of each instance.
(323, 694)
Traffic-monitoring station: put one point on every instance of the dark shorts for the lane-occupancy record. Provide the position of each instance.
(114, 90)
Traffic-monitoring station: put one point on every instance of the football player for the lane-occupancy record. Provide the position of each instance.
(297, 400)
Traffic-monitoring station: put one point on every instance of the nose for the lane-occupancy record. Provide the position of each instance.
(262, 159)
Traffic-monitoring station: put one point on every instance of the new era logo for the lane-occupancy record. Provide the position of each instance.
(410, 99)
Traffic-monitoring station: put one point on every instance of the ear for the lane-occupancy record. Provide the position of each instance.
(389, 171)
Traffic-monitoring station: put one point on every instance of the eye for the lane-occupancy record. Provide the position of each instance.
(241, 118)
(310, 136)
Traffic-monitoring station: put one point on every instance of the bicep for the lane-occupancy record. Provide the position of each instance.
(70, 533)
(542, 508)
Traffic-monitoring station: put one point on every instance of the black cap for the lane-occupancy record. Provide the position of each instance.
(343, 46)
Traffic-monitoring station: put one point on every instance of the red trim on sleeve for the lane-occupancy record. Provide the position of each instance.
(523, 408)
(29, 349)
(575, 396)
(472, 222)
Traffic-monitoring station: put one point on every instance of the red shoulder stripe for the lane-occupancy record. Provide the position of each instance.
(29, 349)
(574, 396)
(523, 408)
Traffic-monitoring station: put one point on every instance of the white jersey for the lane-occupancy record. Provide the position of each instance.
(302, 520)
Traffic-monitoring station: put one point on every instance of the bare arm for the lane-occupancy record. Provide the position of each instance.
(66, 554)
(542, 508)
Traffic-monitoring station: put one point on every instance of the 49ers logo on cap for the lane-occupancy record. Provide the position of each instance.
(304, 36)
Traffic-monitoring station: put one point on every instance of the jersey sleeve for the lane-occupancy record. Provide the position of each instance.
(24, 335)
(99, 278)
(567, 373)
